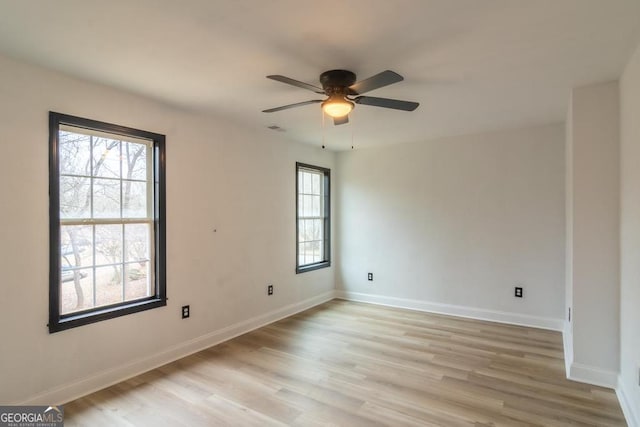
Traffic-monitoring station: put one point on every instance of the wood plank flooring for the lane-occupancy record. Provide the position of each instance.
(354, 364)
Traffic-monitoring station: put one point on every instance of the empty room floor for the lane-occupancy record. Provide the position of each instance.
(347, 363)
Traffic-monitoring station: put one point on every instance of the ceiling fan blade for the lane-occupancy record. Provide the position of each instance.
(297, 83)
(297, 104)
(382, 79)
(341, 120)
(386, 103)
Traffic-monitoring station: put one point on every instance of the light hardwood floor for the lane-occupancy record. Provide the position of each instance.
(352, 364)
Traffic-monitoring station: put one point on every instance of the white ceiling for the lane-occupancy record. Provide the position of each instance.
(473, 65)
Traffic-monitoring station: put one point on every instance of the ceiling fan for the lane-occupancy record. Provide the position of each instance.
(344, 92)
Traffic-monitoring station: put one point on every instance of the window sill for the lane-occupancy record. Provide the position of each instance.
(311, 267)
(98, 315)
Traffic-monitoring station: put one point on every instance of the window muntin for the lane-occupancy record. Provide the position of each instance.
(107, 221)
(313, 218)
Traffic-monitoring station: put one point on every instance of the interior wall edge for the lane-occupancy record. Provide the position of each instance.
(631, 413)
(567, 343)
(68, 392)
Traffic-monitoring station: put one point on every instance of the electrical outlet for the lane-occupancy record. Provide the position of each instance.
(519, 293)
(185, 311)
(370, 277)
(269, 289)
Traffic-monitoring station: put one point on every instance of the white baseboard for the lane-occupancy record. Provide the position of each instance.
(90, 384)
(456, 310)
(631, 412)
(592, 375)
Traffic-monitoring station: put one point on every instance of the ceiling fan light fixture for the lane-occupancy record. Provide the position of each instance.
(337, 106)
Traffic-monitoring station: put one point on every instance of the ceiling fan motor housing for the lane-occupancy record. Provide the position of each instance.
(337, 81)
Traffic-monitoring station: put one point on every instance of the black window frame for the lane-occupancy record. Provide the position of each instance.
(58, 322)
(326, 182)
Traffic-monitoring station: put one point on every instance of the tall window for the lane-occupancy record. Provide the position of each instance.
(107, 221)
(313, 217)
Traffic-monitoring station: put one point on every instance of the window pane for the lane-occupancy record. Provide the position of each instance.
(315, 184)
(306, 183)
(74, 152)
(308, 252)
(308, 229)
(303, 253)
(136, 238)
(76, 290)
(74, 197)
(303, 231)
(134, 161)
(137, 283)
(108, 244)
(316, 251)
(317, 229)
(109, 285)
(315, 205)
(76, 246)
(300, 205)
(134, 199)
(106, 198)
(308, 205)
(106, 157)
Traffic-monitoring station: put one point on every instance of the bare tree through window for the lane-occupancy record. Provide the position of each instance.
(104, 183)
